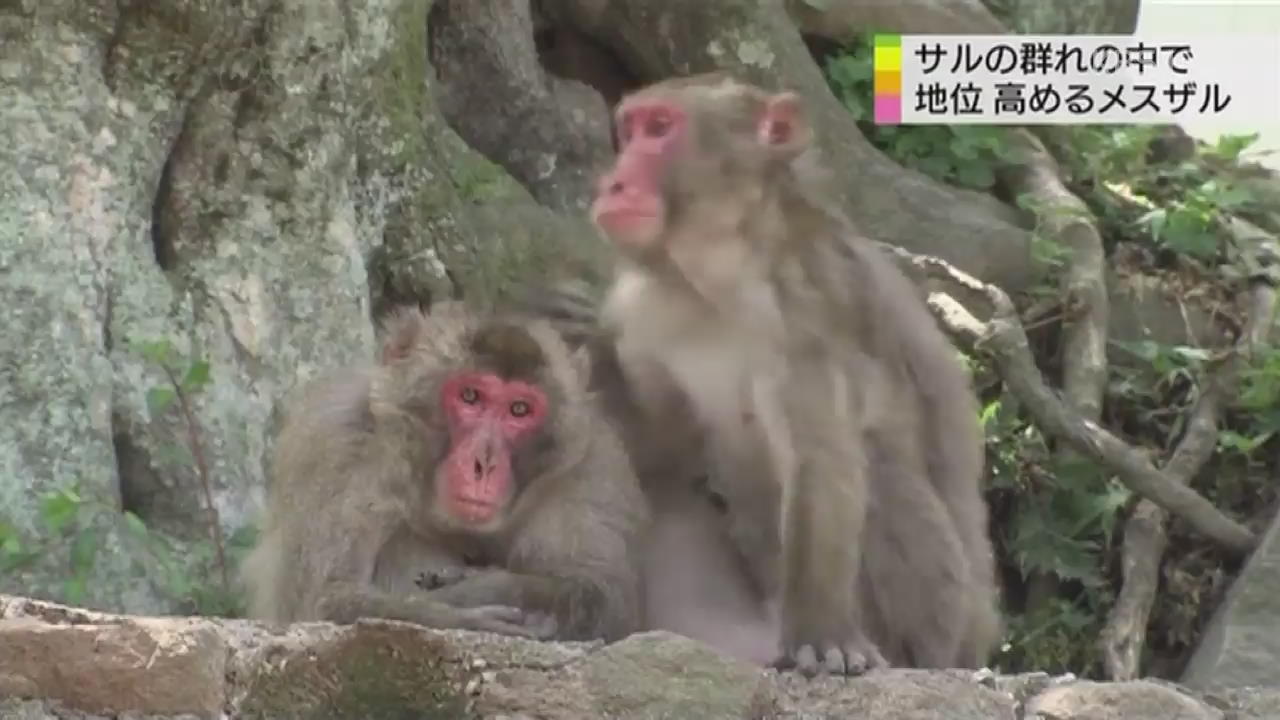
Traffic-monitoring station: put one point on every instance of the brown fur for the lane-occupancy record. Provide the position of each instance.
(840, 428)
(350, 521)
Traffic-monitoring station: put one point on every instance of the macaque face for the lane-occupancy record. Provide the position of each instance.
(489, 417)
(629, 206)
(679, 148)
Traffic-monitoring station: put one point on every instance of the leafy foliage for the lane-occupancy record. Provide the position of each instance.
(1163, 205)
(966, 155)
(75, 522)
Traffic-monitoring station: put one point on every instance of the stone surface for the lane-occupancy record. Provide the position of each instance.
(247, 183)
(1241, 644)
(1119, 701)
(72, 664)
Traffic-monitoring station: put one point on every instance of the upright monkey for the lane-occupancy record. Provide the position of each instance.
(831, 412)
(470, 456)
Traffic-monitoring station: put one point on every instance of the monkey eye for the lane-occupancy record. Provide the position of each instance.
(469, 395)
(520, 408)
(657, 125)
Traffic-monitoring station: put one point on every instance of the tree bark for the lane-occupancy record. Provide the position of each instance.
(250, 183)
(759, 42)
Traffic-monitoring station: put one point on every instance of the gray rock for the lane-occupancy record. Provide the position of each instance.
(73, 664)
(1241, 644)
(1118, 701)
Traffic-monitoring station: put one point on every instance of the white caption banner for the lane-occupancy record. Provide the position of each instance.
(1233, 80)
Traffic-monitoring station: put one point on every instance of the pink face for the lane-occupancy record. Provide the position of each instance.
(629, 207)
(488, 418)
(653, 132)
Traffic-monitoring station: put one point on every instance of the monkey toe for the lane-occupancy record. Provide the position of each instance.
(806, 660)
(853, 658)
(542, 625)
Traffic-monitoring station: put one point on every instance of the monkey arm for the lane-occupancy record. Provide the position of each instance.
(496, 586)
(346, 602)
(824, 515)
(582, 603)
(366, 531)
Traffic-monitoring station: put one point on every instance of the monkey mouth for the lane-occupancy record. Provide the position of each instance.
(629, 228)
(623, 218)
(474, 508)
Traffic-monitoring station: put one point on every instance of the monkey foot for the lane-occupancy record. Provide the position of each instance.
(506, 620)
(852, 658)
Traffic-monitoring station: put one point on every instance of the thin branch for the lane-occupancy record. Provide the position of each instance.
(1145, 537)
(1066, 219)
(1003, 338)
(202, 470)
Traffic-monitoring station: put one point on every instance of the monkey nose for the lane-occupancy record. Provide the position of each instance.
(483, 468)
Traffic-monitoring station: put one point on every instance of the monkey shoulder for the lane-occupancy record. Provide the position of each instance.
(328, 440)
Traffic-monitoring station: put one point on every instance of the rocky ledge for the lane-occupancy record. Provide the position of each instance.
(64, 662)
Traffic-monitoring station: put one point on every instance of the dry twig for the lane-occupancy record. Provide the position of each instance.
(1068, 220)
(1004, 340)
(1145, 537)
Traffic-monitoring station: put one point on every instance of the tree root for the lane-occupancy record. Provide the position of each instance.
(1002, 338)
(1145, 537)
(1067, 220)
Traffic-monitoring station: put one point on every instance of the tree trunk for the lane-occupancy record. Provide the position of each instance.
(1079, 17)
(247, 182)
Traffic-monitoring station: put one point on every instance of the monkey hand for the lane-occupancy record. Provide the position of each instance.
(809, 650)
(443, 577)
(506, 620)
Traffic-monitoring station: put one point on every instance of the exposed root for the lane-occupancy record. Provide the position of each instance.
(1145, 537)
(1003, 339)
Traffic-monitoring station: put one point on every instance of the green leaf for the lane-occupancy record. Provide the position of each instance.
(935, 166)
(1229, 147)
(978, 175)
(245, 537)
(1189, 353)
(14, 555)
(155, 351)
(135, 525)
(989, 412)
(83, 550)
(1147, 350)
(74, 590)
(11, 546)
(197, 376)
(963, 149)
(855, 106)
(1155, 221)
(159, 399)
(1234, 441)
(59, 509)
(1188, 232)
(1231, 197)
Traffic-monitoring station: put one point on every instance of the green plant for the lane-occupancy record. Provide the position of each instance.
(185, 378)
(60, 517)
(69, 517)
(1058, 517)
(965, 155)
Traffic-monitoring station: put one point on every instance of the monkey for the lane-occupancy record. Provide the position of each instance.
(465, 479)
(836, 424)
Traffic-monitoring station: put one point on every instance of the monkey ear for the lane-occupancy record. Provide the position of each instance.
(783, 127)
(400, 332)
